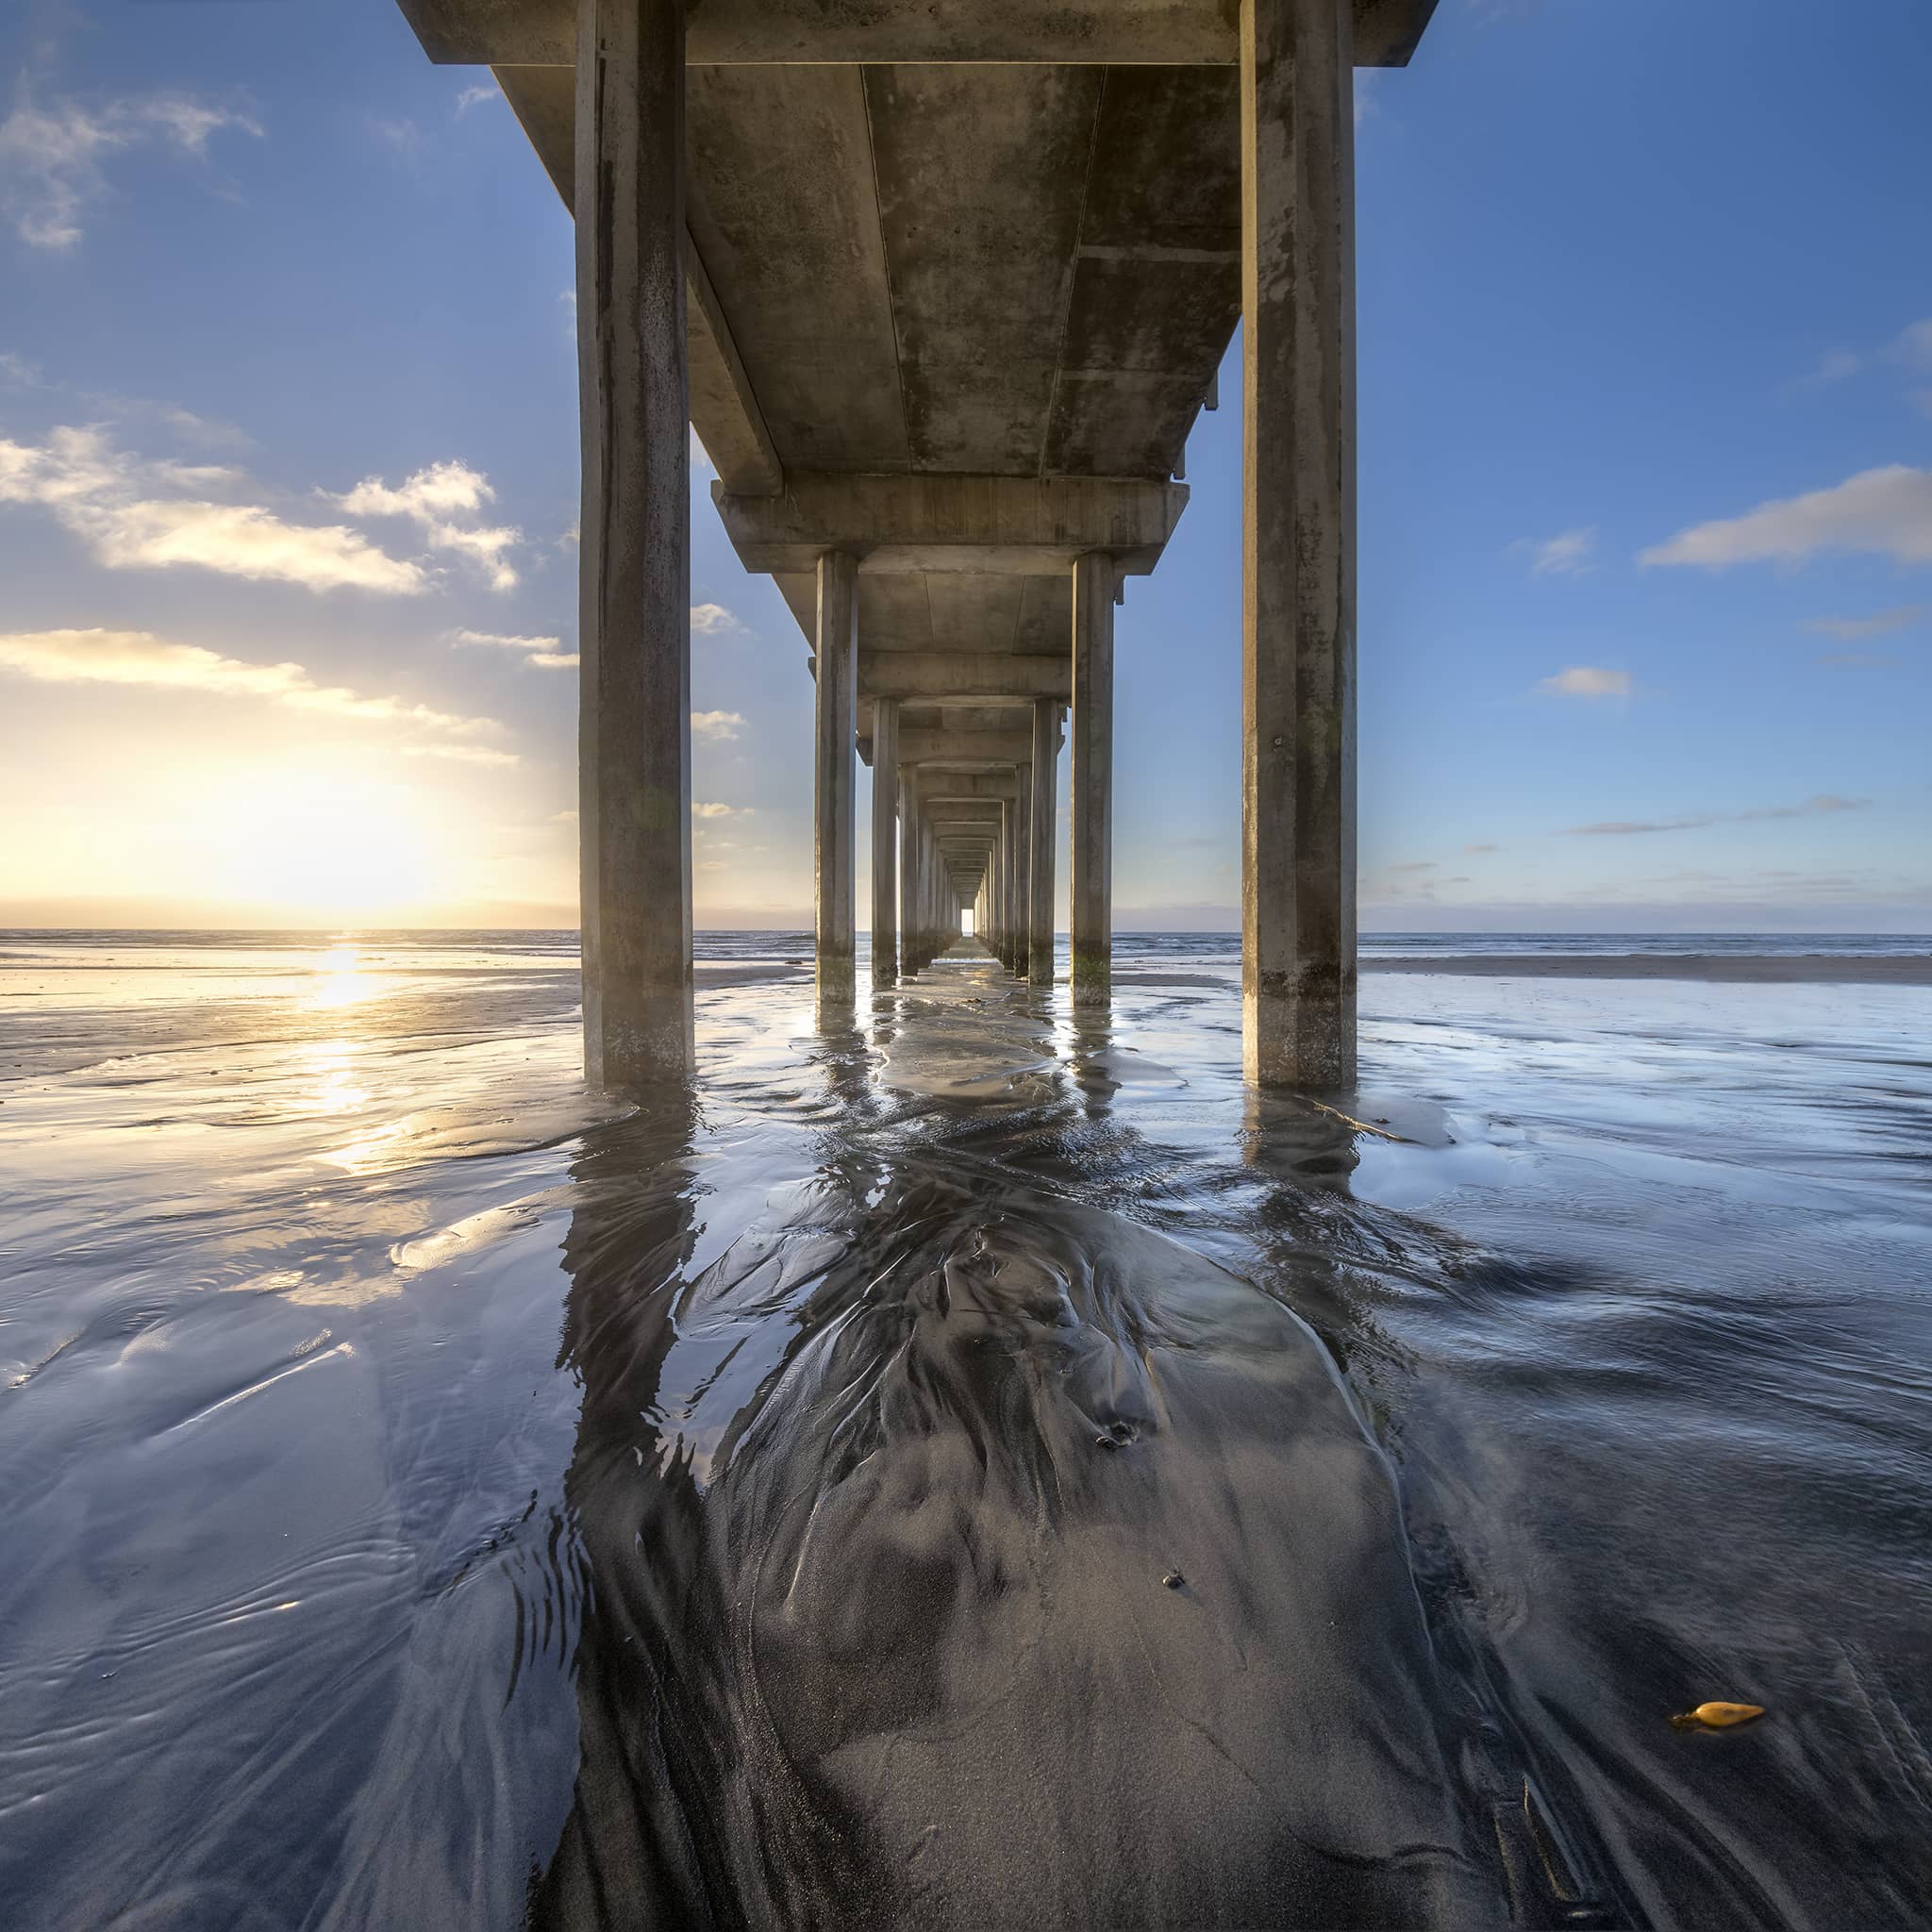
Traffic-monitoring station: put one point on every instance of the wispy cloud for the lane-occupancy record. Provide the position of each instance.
(52, 157)
(474, 96)
(1864, 659)
(401, 136)
(1567, 554)
(1848, 630)
(1818, 805)
(434, 499)
(136, 514)
(721, 812)
(1482, 848)
(716, 728)
(139, 658)
(1887, 512)
(1835, 365)
(712, 620)
(1587, 681)
(547, 651)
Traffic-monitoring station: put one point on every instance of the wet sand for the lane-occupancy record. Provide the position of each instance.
(978, 1465)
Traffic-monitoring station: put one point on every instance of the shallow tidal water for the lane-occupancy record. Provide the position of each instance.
(973, 1468)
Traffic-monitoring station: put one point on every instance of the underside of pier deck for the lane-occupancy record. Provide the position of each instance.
(955, 283)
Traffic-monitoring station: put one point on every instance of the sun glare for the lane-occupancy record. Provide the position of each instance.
(338, 848)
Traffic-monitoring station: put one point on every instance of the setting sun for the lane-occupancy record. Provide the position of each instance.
(334, 849)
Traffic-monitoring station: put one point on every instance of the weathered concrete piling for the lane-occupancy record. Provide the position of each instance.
(942, 291)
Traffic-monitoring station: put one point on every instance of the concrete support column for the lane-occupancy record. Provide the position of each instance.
(834, 819)
(934, 866)
(884, 841)
(1022, 855)
(909, 861)
(634, 564)
(1092, 868)
(1298, 562)
(1046, 722)
(996, 879)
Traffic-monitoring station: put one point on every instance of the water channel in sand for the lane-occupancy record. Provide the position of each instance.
(974, 1468)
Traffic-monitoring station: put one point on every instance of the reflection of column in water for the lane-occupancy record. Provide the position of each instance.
(1297, 1141)
(639, 1841)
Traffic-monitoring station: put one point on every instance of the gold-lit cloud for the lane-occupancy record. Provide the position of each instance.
(136, 514)
(139, 658)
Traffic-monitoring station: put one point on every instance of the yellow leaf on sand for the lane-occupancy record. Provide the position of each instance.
(1718, 1716)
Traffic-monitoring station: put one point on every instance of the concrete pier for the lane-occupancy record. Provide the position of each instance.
(885, 842)
(1298, 725)
(942, 290)
(1090, 781)
(634, 604)
(834, 814)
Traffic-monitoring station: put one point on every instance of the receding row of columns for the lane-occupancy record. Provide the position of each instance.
(916, 850)
(1298, 598)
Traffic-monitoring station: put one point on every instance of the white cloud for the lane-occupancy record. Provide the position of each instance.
(715, 727)
(474, 96)
(712, 620)
(1588, 681)
(1848, 630)
(139, 658)
(432, 499)
(438, 491)
(18, 371)
(547, 651)
(1568, 555)
(1820, 805)
(105, 496)
(1885, 511)
(51, 158)
(1867, 660)
(721, 812)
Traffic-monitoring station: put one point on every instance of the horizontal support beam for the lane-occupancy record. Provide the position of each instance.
(951, 524)
(730, 33)
(915, 675)
(967, 788)
(969, 750)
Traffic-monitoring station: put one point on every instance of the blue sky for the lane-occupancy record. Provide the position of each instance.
(288, 408)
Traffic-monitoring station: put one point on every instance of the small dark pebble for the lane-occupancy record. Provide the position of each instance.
(1174, 1579)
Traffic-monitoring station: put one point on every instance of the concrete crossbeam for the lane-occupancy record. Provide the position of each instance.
(948, 523)
(997, 675)
(1122, 33)
(967, 750)
(962, 788)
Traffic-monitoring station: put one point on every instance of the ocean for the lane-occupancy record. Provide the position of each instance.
(978, 1466)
